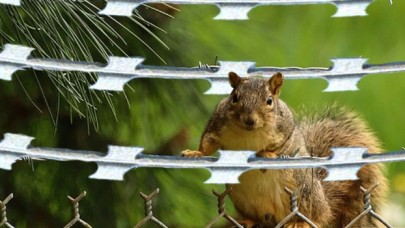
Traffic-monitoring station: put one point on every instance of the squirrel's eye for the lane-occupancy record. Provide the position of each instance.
(270, 100)
(235, 98)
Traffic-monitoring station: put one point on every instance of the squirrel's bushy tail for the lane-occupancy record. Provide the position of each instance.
(337, 126)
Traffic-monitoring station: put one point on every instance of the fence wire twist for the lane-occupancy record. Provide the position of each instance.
(368, 209)
(294, 210)
(3, 212)
(76, 214)
(222, 213)
(148, 210)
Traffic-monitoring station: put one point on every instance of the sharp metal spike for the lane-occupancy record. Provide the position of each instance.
(15, 142)
(234, 11)
(219, 80)
(236, 158)
(342, 83)
(13, 58)
(110, 82)
(121, 7)
(241, 68)
(238, 9)
(219, 86)
(353, 160)
(117, 73)
(11, 2)
(353, 154)
(345, 74)
(221, 176)
(12, 148)
(350, 9)
(123, 153)
(349, 172)
(7, 161)
(111, 171)
(352, 65)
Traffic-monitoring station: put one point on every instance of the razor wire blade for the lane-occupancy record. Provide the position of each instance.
(230, 9)
(343, 164)
(239, 9)
(342, 76)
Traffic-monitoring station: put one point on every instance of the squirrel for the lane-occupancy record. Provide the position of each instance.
(253, 117)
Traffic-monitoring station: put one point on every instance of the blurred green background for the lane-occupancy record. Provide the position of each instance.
(167, 116)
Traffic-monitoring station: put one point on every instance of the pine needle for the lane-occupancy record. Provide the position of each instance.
(74, 31)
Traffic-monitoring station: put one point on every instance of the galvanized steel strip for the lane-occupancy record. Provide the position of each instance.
(343, 75)
(342, 165)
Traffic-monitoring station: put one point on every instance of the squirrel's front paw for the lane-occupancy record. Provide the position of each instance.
(297, 225)
(191, 153)
(247, 223)
(266, 154)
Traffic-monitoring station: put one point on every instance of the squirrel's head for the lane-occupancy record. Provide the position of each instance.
(254, 103)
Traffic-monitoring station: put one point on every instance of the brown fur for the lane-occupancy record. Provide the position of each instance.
(336, 126)
(254, 118)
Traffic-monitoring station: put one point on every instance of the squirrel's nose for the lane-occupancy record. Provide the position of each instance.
(250, 122)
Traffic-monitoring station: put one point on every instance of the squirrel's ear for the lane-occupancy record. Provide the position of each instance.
(234, 79)
(275, 82)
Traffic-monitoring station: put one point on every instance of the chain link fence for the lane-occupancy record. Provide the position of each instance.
(222, 212)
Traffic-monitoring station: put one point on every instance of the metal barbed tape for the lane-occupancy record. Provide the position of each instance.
(343, 164)
(342, 76)
(239, 9)
(231, 9)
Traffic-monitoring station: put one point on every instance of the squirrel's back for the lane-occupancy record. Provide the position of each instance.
(336, 126)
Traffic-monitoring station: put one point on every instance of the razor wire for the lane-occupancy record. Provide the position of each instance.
(239, 9)
(343, 164)
(230, 9)
(342, 76)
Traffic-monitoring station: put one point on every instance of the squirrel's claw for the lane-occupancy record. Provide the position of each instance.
(247, 223)
(266, 154)
(191, 153)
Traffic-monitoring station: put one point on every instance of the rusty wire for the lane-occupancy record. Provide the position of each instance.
(148, 210)
(3, 212)
(221, 209)
(76, 218)
(368, 208)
